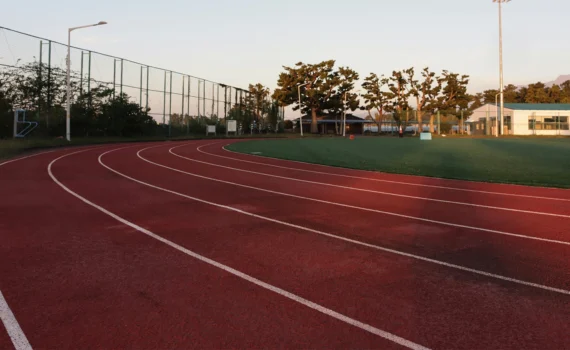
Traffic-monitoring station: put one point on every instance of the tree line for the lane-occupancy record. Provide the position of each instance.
(532, 93)
(405, 96)
(325, 89)
(101, 111)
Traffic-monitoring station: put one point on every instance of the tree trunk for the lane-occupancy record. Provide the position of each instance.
(431, 123)
(419, 118)
(314, 126)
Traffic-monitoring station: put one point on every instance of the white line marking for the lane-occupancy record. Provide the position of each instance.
(347, 205)
(26, 157)
(371, 191)
(393, 251)
(387, 181)
(12, 327)
(277, 290)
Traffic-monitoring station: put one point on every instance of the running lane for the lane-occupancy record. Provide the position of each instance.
(328, 176)
(429, 304)
(75, 278)
(548, 227)
(526, 259)
(403, 179)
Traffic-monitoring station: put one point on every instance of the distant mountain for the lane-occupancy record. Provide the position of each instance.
(561, 79)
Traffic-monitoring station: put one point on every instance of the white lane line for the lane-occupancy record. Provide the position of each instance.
(366, 327)
(347, 205)
(381, 180)
(12, 327)
(371, 191)
(26, 157)
(393, 251)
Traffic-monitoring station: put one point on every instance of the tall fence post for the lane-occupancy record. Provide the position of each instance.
(198, 98)
(15, 123)
(122, 61)
(462, 128)
(81, 76)
(170, 109)
(218, 102)
(204, 98)
(141, 88)
(164, 102)
(183, 98)
(89, 80)
(189, 96)
(147, 80)
(40, 79)
(49, 85)
(188, 102)
(114, 76)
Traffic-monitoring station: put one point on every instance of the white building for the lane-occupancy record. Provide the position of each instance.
(523, 119)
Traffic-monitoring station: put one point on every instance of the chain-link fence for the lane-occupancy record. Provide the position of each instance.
(111, 96)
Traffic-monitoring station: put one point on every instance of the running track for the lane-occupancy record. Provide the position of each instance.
(178, 245)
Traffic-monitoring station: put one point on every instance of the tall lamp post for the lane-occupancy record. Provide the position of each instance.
(497, 119)
(68, 111)
(501, 91)
(300, 111)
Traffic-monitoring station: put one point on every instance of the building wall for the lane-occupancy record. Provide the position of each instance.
(521, 123)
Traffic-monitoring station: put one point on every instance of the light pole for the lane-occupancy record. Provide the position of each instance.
(300, 111)
(497, 119)
(344, 116)
(500, 2)
(68, 111)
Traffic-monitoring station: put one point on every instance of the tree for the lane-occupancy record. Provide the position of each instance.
(489, 95)
(565, 92)
(510, 94)
(321, 92)
(425, 93)
(258, 95)
(343, 100)
(376, 98)
(554, 94)
(537, 93)
(400, 90)
(454, 99)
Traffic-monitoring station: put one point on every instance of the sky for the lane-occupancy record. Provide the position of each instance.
(248, 41)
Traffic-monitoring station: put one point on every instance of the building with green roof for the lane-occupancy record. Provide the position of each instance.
(549, 119)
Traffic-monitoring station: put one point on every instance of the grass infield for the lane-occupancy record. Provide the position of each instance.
(525, 161)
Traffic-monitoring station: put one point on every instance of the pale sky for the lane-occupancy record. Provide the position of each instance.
(248, 41)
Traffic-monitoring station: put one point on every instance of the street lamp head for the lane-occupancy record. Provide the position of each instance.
(101, 23)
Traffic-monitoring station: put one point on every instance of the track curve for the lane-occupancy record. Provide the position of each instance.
(188, 245)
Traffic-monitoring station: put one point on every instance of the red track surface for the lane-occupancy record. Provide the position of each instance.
(75, 277)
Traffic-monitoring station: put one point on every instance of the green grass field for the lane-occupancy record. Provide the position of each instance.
(528, 161)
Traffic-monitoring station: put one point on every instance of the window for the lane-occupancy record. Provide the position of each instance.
(548, 123)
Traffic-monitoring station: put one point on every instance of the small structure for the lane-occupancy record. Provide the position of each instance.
(210, 129)
(331, 124)
(20, 119)
(231, 127)
(523, 119)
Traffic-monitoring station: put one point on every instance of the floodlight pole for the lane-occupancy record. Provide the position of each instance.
(344, 116)
(68, 108)
(300, 109)
(501, 90)
(497, 119)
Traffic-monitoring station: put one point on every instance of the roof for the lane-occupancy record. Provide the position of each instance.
(538, 106)
(330, 119)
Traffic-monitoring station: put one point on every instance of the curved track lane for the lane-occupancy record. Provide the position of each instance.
(150, 280)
